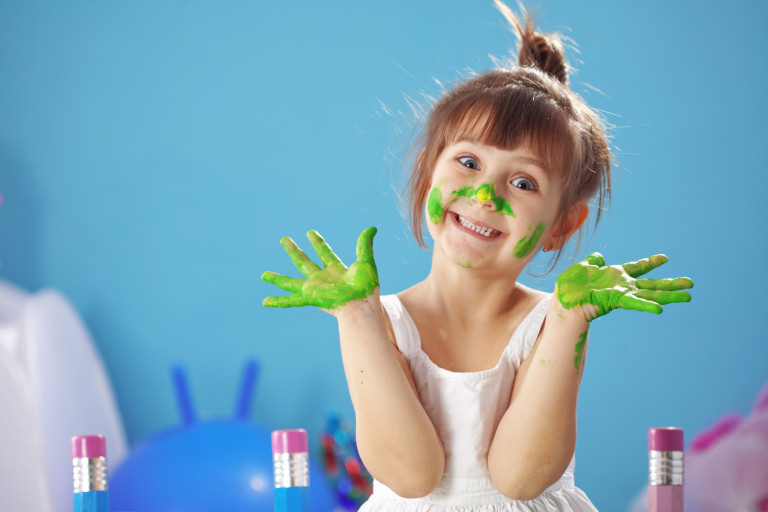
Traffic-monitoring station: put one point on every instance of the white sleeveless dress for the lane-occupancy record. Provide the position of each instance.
(466, 409)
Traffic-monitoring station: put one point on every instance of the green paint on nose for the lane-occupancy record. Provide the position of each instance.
(484, 193)
(435, 206)
(528, 243)
(466, 265)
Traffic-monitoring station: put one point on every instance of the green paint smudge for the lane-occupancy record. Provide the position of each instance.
(466, 265)
(503, 206)
(329, 287)
(467, 192)
(484, 193)
(609, 287)
(528, 243)
(435, 206)
(579, 348)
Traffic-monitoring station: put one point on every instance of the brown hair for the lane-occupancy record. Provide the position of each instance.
(529, 104)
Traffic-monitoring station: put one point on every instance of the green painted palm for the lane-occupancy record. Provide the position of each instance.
(610, 287)
(329, 287)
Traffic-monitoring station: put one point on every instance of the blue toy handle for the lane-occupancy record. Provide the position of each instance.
(247, 388)
(183, 396)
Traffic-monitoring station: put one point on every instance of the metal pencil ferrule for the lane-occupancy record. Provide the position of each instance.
(665, 467)
(291, 470)
(89, 474)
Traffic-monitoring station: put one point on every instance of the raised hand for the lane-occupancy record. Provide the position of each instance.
(329, 287)
(608, 287)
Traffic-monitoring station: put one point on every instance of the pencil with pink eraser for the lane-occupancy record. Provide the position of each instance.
(291, 463)
(89, 474)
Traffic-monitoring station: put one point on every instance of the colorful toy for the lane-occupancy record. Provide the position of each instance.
(202, 466)
(345, 470)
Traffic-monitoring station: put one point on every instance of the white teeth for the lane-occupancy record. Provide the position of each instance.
(483, 231)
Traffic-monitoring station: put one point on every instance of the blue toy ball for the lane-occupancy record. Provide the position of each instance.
(223, 465)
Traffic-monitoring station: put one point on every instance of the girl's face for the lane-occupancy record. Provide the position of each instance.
(490, 207)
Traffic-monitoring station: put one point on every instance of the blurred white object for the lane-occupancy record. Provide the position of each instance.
(726, 466)
(53, 386)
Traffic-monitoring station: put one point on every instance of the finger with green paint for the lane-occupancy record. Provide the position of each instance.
(610, 287)
(331, 286)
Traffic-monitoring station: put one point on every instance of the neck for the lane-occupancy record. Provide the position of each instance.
(451, 288)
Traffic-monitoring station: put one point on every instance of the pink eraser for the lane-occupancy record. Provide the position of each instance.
(667, 439)
(88, 446)
(289, 441)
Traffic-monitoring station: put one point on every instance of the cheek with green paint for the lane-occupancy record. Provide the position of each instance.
(435, 209)
(527, 244)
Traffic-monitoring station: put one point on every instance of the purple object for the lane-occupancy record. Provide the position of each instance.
(666, 465)
(289, 441)
(665, 439)
(88, 446)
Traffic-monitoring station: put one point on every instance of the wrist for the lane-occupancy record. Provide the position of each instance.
(576, 316)
(360, 309)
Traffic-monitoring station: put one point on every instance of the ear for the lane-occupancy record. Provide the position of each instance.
(577, 214)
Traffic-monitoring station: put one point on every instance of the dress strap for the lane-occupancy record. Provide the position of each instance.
(524, 338)
(406, 334)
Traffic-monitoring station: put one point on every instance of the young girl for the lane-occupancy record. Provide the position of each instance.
(465, 385)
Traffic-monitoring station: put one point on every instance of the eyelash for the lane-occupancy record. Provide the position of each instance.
(462, 158)
(532, 184)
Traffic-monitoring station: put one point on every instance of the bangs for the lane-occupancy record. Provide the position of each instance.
(506, 120)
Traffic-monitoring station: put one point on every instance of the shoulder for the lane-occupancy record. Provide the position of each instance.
(528, 298)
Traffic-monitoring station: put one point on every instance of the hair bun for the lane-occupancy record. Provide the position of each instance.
(543, 51)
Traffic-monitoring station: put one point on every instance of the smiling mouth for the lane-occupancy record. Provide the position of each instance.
(485, 231)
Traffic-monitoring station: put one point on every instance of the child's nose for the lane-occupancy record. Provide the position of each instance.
(485, 193)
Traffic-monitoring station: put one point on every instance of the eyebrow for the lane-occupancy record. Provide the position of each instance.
(534, 161)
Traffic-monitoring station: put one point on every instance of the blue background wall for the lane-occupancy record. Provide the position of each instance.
(153, 153)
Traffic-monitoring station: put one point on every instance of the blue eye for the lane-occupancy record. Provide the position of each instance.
(468, 161)
(523, 184)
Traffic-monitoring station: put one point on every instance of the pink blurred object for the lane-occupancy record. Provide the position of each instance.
(289, 441)
(726, 466)
(724, 425)
(88, 446)
(665, 439)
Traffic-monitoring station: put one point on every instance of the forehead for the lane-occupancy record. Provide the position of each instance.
(541, 130)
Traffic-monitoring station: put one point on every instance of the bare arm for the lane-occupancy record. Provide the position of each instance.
(396, 439)
(536, 437)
